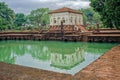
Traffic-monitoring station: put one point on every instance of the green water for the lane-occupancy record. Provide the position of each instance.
(64, 57)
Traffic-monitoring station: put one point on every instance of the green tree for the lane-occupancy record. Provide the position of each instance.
(39, 16)
(6, 17)
(89, 15)
(20, 20)
(109, 11)
(45, 19)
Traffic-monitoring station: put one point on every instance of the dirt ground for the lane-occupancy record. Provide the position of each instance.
(107, 67)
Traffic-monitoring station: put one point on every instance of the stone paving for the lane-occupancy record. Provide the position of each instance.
(107, 67)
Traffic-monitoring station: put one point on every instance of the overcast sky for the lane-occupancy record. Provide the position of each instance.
(26, 6)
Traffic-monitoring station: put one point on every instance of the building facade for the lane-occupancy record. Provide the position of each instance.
(67, 16)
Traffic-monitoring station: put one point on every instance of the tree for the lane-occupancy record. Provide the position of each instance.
(6, 17)
(45, 19)
(20, 20)
(109, 11)
(39, 16)
(89, 15)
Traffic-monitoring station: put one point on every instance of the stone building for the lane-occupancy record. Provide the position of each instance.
(72, 19)
(67, 15)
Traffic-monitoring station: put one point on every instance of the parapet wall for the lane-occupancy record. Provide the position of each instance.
(91, 36)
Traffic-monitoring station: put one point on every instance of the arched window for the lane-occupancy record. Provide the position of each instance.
(54, 20)
(58, 18)
(63, 19)
(79, 20)
(71, 19)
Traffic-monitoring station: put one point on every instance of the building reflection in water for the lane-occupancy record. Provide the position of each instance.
(67, 61)
(53, 56)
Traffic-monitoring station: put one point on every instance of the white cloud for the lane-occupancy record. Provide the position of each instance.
(74, 4)
(25, 6)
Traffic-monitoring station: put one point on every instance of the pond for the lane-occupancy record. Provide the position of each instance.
(62, 57)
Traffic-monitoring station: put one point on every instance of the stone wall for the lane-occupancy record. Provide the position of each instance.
(67, 18)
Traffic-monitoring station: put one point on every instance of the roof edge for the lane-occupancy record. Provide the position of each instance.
(65, 9)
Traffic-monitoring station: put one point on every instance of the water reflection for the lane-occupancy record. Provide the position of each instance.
(51, 55)
(6, 56)
(67, 61)
(39, 52)
(57, 56)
